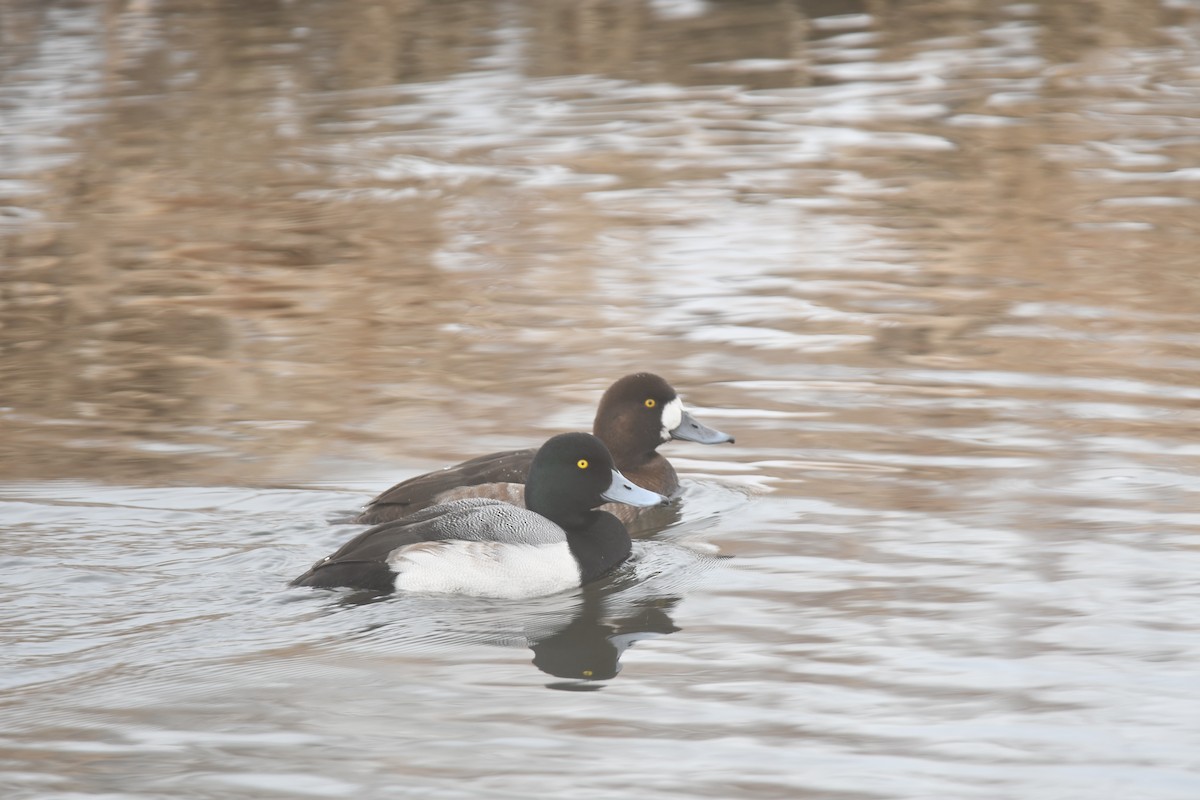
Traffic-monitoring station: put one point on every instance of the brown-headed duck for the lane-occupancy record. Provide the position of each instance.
(636, 414)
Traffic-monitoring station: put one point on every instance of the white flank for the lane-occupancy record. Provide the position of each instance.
(672, 415)
(485, 569)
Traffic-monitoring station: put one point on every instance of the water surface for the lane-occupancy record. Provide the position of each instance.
(932, 263)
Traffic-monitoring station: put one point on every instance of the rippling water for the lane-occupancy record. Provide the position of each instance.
(934, 265)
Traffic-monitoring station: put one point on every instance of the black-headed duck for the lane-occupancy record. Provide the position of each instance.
(490, 548)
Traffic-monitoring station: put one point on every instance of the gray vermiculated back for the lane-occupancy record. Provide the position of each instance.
(483, 519)
(512, 493)
(471, 519)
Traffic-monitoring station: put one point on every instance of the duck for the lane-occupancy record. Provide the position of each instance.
(488, 548)
(636, 415)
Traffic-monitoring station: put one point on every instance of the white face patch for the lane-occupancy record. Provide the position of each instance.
(672, 415)
(485, 569)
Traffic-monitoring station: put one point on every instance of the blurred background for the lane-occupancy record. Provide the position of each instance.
(247, 241)
(933, 262)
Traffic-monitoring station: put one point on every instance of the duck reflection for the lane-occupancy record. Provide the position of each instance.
(588, 648)
(579, 638)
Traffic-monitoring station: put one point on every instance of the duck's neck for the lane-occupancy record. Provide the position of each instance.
(599, 546)
(650, 471)
(560, 509)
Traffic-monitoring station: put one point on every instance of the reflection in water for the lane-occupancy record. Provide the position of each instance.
(580, 637)
(590, 646)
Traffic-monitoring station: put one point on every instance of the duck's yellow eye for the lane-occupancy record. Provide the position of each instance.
(650, 402)
(581, 463)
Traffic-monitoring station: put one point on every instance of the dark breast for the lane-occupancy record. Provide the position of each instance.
(655, 474)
